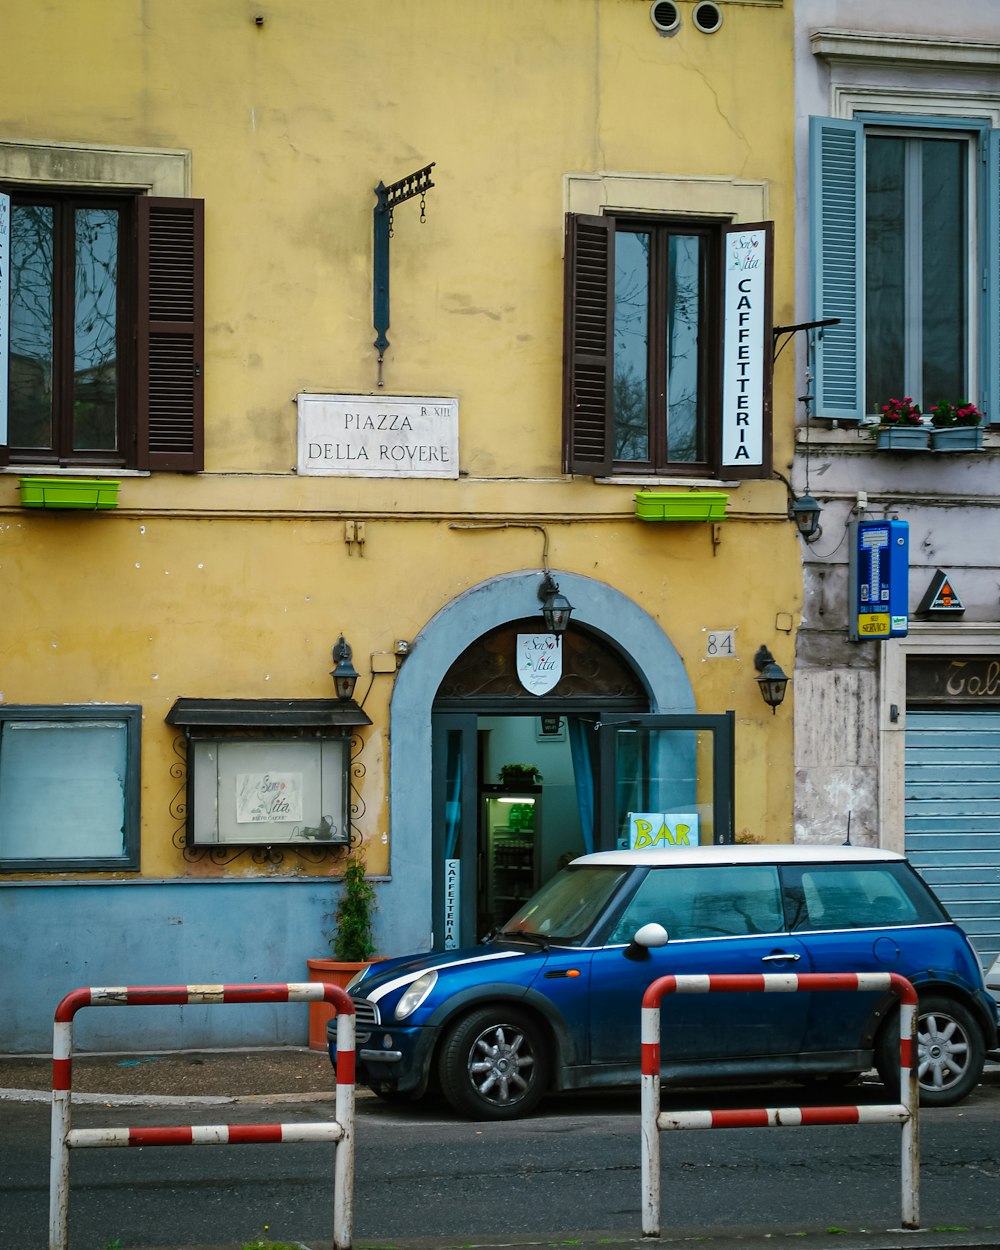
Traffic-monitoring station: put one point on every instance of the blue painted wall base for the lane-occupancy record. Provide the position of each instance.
(59, 937)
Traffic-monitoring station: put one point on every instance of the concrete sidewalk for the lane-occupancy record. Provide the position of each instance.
(179, 1076)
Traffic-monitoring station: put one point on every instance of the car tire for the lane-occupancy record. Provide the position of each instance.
(950, 1052)
(494, 1065)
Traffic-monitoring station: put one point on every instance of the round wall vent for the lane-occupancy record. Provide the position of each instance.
(707, 17)
(665, 16)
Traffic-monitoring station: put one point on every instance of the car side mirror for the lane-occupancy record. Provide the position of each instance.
(647, 936)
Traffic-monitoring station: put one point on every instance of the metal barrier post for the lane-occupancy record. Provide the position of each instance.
(64, 1137)
(904, 1113)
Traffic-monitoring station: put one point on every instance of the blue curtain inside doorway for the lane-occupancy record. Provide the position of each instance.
(583, 775)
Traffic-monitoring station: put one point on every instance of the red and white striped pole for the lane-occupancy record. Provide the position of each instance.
(64, 1136)
(904, 1113)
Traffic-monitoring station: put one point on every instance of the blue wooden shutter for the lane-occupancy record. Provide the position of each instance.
(991, 318)
(837, 208)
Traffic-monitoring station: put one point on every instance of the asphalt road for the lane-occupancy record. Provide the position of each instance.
(574, 1167)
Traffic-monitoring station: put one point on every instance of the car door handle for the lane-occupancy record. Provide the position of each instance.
(773, 959)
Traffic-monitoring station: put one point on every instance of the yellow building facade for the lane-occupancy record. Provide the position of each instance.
(280, 486)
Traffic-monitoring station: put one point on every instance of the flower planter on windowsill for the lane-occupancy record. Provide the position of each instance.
(703, 505)
(83, 493)
(957, 438)
(902, 438)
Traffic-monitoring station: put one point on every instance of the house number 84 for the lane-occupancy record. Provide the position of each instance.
(720, 644)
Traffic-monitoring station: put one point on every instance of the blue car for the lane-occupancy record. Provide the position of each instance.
(551, 1001)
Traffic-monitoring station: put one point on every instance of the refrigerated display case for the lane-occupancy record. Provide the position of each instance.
(511, 828)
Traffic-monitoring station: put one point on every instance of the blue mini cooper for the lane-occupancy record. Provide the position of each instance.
(551, 1001)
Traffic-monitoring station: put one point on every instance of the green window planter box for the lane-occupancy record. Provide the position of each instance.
(701, 505)
(85, 493)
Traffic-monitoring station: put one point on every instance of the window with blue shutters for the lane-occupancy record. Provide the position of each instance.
(905, 249)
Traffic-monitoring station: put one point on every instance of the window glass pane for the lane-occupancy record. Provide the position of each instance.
(664, 787)
(566, 907)
(944, 249)
(631, 345)
(62, 789)
(705, 902)
(95, 330)
(31, 260)
(828, 897)
(683, 318)
(885, 267)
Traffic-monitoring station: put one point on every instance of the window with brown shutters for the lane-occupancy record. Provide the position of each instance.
(104, 356)
(642, 368)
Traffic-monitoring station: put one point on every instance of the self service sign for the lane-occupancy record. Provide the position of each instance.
(879, 572)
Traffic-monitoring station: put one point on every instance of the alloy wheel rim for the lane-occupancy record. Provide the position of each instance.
(942, 1051)
(501, 1064)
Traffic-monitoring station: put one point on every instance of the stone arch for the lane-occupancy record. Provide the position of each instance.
(405, 917)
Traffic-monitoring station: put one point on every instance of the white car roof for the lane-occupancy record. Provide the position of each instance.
(755, 853)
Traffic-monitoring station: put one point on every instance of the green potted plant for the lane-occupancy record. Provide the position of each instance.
(515, 775)
(901, 426)
(352, 943)
(956, 427)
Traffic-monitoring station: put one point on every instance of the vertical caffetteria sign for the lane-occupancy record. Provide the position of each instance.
(878, 572)
(4, 309)
(746, 349)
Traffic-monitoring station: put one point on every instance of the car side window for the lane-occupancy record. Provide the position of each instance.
(855, 896)
(710, 901)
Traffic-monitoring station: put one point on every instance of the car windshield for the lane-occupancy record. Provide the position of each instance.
(565, 908)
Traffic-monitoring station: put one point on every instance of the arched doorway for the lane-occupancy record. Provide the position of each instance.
(435, 714)
(514, 771)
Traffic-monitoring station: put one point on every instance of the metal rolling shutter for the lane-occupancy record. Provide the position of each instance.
(952, 825)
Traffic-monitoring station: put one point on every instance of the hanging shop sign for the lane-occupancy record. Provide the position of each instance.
(746, 348)
(878, 580)
(377, 436)
(4, 310)
(539, 662)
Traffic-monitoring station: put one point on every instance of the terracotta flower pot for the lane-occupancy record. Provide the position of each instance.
(333, 972)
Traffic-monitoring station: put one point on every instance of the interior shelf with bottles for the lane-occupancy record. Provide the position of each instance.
(511, 823)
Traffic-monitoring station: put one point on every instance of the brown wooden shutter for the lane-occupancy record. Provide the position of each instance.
(171, 333)
(588, 352)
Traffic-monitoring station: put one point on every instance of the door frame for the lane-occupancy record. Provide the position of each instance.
(722, 727)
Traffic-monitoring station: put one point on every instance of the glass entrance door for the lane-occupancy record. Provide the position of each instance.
(665, 781)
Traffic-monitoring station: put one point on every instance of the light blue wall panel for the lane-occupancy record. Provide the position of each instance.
(56, 938)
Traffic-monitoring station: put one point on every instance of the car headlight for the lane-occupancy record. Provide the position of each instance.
(415, 994)
(358, 977)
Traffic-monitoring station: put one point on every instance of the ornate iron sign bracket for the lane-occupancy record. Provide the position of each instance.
(418, 183)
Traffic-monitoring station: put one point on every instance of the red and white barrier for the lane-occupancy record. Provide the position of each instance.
(339, 1130)
(905, 1113)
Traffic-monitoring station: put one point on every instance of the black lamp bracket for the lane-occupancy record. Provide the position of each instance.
(386, 199)
(791, 331)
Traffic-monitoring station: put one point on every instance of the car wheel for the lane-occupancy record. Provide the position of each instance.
(950, 1052)
(493, 1064)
